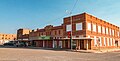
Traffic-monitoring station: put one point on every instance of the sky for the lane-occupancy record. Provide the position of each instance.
(32, 14)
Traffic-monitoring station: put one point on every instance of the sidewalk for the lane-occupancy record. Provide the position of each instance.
(98, 51)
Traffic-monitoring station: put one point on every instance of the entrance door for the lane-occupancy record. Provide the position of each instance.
(89, 44)
(81, 44)
(116, 43)
(60, 44)
(66, 43)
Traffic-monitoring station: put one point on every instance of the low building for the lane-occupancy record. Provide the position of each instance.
(49, 37)
(23, 35)
(4, 38)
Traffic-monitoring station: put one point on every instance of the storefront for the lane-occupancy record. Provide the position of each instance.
(78, 43)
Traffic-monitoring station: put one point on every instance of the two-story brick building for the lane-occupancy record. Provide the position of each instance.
(49, 37)
(88, 32)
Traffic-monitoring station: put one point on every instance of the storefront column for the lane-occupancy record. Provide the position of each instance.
(64, 44)
(53, 44)
(78, 44)
(87, 44)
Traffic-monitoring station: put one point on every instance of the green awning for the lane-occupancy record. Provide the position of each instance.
(44, 38)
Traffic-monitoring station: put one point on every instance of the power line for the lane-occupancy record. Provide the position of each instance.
(74, 6)
(50, 21)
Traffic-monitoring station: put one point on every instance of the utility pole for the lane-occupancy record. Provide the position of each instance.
(71, 29)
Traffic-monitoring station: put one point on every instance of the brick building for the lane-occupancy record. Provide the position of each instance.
(88, 32)
(49, 37)
(7, 37)
(23, 34)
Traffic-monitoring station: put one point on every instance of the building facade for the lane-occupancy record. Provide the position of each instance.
(4, 38)
(49, 37)
(23, 34)
(88, 32)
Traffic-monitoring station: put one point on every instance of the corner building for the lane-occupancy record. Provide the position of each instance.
(90, 32)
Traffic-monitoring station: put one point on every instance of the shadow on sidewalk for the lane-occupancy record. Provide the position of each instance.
(53, 49)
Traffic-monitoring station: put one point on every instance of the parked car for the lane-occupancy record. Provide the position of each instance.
(9, 44)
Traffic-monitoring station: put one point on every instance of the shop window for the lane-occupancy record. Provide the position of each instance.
(95, 41)
(104, 41)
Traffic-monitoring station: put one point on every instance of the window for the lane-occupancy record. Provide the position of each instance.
(110, 31)
(104, 41)
(106, 30)
(108, 41)
(68, 27)
(113, 32)
(103, 30)
(94, 27)
(99, 29)
(78, 26)
(114, 42)
(59, 32)
(118, 34)
(100, 41)
(89, 26)
(55, 32)
(95, 41)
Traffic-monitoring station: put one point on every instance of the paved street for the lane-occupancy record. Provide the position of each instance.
(22, 54)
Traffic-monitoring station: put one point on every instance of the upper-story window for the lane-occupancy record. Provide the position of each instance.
(99, 29)
(113, 32)
(89, 26)
(68, 27)
(94, 27)
(59, 32)
(118, 34)
(110, 31)
(55, 32)
(106, 30)
(103, 30)
(78, 26)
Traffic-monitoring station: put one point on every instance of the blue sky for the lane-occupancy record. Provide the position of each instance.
(32, 14)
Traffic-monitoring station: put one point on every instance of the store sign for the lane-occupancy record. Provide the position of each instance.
(44, 38)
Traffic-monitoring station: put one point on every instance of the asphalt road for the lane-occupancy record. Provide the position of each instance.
(23, 54)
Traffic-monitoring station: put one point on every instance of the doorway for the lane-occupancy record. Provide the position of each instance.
(116, 43)
(82, 44)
